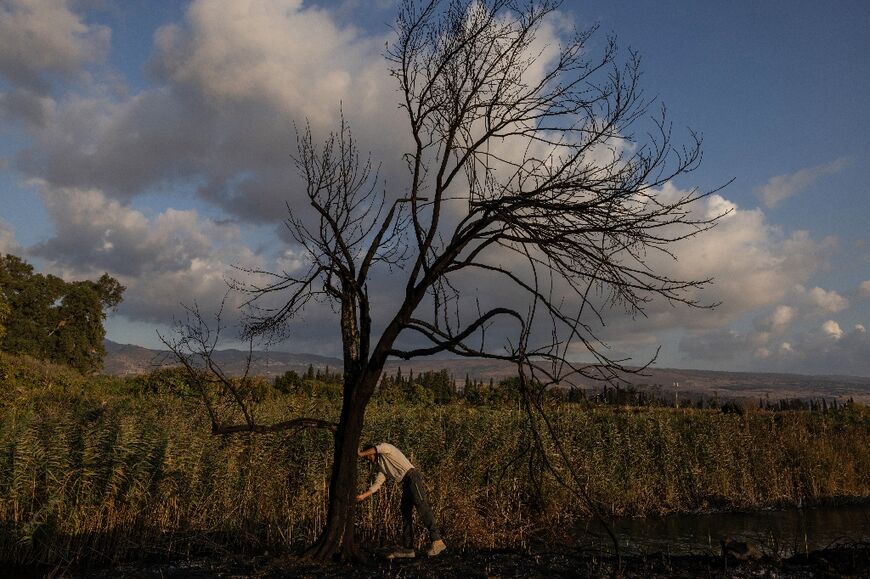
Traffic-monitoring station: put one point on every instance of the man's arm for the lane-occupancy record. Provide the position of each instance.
(379, 480)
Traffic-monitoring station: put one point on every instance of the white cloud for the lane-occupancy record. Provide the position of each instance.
(779, 320)
(230, 82)
(832, 329)
(781, 187)
(827, 301)
(718, 205)
(826, 350)
(177, 256)
(46, 36)
(118, 146)
(753, 266)
(789, 338)
(260, 50)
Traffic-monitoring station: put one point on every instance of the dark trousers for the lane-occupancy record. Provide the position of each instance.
(414, 495)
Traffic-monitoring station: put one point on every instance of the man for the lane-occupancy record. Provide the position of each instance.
(392, 464)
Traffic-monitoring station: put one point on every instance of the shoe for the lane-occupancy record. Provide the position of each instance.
(402, 554)
(436, 548)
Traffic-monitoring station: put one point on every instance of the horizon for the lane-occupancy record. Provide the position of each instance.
(433, 360)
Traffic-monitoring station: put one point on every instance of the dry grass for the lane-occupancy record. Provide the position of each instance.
(82, 482)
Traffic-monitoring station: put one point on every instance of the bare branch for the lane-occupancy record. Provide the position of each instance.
(193, 345)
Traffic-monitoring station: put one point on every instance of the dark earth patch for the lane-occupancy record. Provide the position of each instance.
(846, 560)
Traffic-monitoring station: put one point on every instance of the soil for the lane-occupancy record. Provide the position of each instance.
(845, 560)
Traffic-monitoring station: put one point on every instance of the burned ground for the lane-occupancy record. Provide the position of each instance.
(844, 560)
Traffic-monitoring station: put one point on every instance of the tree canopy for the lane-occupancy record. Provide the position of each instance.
(42, 315)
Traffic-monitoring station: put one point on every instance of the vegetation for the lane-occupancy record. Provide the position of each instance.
(96, 469)
(46, 317)
(5, 310)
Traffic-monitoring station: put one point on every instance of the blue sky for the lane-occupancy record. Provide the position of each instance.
(150, 140)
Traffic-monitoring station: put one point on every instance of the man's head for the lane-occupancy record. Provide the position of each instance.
(369, 453)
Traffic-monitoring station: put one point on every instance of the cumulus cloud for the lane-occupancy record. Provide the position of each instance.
(789, 337)
(119, 147)
(754, 267)
(258, 51)
(752, 263)
(778, 321)
(826, 301)
(39, 37)
(829, 349)
(727, 345)
(825, 348)
(173, 257)
(781, 187)
(264, 67)
(230, 82)
(832, 329)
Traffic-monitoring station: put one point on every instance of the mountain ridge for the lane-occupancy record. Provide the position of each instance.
(129, 359)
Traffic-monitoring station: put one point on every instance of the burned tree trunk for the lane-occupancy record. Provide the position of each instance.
(337, 539)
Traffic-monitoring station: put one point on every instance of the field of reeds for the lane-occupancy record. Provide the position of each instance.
(98, 470)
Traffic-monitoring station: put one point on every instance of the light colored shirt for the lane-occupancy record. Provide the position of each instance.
(391, 463)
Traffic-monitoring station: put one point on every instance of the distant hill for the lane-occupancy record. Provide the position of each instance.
(125, 359)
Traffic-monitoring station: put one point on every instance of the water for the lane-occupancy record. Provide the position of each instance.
(783, 532)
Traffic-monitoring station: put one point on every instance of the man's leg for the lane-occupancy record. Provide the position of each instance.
(407, 509)
(423, 509)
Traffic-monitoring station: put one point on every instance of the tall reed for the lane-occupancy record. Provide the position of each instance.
(100, 470)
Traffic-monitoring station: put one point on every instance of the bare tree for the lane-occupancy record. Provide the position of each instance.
(525, 169)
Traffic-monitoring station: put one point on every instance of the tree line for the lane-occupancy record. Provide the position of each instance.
(43, 316)
(442, 387)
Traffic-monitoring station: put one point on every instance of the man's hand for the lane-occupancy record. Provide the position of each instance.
(363, 496)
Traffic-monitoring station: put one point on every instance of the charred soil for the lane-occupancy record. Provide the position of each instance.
(845, 560)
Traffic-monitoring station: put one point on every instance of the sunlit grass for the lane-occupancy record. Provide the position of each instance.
(100, 470)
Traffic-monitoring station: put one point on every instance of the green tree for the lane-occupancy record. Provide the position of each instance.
(31, 298)
(288, 382)
(79, 334)
(53, 319)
